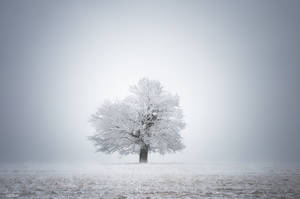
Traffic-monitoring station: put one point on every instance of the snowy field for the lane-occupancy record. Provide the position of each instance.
(151, 181)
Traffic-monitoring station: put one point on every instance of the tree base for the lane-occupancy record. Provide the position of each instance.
(144, 154)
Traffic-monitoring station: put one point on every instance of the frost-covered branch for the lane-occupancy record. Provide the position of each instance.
(149, 117)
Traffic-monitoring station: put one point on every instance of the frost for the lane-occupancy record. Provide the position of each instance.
(149, 119)
(151, 181)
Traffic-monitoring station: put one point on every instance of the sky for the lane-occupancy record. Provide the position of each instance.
(234, 64)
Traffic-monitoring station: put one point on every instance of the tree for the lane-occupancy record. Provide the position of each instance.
(149, 120)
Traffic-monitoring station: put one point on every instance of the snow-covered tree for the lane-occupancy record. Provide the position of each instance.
(149, 120)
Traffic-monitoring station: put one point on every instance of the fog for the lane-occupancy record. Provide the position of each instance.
(234, 64)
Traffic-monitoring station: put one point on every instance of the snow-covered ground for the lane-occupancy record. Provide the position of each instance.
(151, 181)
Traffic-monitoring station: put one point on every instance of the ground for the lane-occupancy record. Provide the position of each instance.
(170, 180)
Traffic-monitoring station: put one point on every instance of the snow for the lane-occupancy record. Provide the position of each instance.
(150, 118)
(151, 181)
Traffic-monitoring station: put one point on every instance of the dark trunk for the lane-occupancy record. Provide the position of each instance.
(143, 154)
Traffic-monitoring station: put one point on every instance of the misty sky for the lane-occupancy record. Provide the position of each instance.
(234, 64)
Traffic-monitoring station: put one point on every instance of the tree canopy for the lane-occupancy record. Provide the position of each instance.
(150, 118)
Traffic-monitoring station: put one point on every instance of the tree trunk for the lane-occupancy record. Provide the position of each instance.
(144, 154)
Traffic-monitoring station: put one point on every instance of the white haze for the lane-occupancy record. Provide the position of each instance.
(235, 66)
